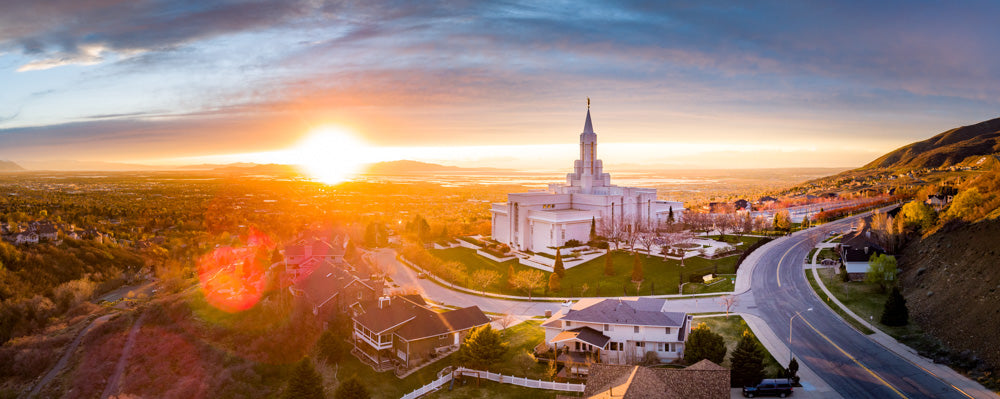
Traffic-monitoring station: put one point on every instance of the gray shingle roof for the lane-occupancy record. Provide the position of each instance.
(631, 311)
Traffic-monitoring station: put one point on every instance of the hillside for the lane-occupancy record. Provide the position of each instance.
(952, 287)
(9, 166)
(945, 149)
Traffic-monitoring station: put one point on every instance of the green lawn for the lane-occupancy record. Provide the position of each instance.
(467, 388)
(700, 288)
(865, 299)
(386, 384)
(660, 276)
(828, 253)
(731, 329)
(863, 327)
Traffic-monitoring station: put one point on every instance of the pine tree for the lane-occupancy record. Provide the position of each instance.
(305, 382)
(747, 361)
(609, 265)
(636, 268)
(670, 216)
(702, 343)
(895, 312)
(843, 274)
(510, 277)
(351, 389)
(555, 283)
(482, 348)
(558, 268)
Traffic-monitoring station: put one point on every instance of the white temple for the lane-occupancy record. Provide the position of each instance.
(536, 221)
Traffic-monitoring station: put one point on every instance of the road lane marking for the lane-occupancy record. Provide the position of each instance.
(855, 360)
(782, 260)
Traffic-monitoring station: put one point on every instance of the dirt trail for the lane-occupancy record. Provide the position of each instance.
(61, 364)
(114, 380)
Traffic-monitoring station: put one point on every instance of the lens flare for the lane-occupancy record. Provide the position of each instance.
(233, 279)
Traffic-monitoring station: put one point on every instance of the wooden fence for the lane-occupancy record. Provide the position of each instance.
(503, 379)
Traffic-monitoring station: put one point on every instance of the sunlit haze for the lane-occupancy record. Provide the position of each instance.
(491, 84)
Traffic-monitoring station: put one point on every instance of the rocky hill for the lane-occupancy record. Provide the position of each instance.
(952, 287)
(9, 166)
(946, 149)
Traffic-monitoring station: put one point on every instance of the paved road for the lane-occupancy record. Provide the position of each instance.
(852, 364)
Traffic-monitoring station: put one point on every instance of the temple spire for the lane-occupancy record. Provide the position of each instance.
(588, 127)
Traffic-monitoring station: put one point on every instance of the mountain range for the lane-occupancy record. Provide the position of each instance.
(946, 149)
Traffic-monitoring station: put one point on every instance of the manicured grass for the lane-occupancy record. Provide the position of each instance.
(809, 258)
(731, 329)
(865, 299)
(660, 276)
(828, 253)
(850, 320)
(467, 388)
(742, 242)
(386, 384)
(700, 288)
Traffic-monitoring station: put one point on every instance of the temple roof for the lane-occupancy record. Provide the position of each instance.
(588, 126)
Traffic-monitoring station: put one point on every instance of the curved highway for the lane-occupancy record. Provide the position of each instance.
(852, 364)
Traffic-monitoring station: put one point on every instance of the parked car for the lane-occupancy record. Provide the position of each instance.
(780, 387)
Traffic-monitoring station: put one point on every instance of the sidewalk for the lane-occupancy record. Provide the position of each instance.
(812, 385)
(942, 372)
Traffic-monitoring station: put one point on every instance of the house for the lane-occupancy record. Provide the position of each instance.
(938, 201)
(704, 379)
(303, 256)
(856, 249)
(330, 288)
(47, 231)
(617, 331)
(402, 332)
(767, 200)
(23, 238)
(742, 205)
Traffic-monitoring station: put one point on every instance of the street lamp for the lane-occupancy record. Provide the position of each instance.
(797, 314)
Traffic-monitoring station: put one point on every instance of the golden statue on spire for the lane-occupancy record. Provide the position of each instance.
(588, 102)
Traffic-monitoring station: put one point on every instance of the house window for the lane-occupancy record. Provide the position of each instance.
(577, 345)
(673, 347)
(668, 330)
(659, 347)
(636, 328)
(614, 346)
(567, 323)
(607, 327)
(640, 344)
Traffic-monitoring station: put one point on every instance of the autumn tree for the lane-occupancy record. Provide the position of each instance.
(966, 205)
(609, 265)
(782, 221)
(917, 214)
(528, 280)
(702, 343)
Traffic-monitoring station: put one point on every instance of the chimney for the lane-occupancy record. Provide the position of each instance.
(384, 302)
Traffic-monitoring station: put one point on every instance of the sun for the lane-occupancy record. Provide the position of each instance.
(331, 154)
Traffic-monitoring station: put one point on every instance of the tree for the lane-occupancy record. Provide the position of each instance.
(524, 360)
(882, 270)
(483, 278)
(895, 312)
(351, 389)
(728, 302)
(805, 221)
(636, 268)
(702, 343)
(510, 276)
(551, 369)
(528, 280)
(609, 265)
(782, 221)
(482, 348)
(554, 283)
(455, 270)
(305, 382)
(747, 361)
(670, 215)
(966, 205)
(331, 347)
(558, 268)
(917, 214)
(843, 273)
(647, 238)
(793, 370)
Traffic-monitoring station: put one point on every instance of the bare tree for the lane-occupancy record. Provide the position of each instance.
(483, 278)
(647, 238)
(528, 280)
(506, 320)
(728, 301)
(611, 230)
(630, 232)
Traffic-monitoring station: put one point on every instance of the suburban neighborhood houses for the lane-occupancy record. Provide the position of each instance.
(617, 331)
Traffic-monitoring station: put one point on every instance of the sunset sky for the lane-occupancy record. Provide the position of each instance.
(691, 84)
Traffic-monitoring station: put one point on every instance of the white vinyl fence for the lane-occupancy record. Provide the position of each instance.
(503, 379)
